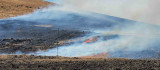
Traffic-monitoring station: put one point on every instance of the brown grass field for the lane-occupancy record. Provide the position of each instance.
(12, 8)
(31, 62)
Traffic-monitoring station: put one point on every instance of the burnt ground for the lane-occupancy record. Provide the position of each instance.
(31, 62)
(32, 37)
(12, 45)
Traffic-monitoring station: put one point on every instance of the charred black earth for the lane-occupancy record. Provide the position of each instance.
(31, 37)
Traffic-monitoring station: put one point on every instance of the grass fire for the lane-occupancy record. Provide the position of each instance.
(56, 35)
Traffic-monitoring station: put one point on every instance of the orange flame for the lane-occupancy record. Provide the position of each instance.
(93, 39)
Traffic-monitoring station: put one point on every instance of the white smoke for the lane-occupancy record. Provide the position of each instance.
(133, 36)
(139, 10)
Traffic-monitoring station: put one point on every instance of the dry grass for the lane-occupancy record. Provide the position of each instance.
(12, 8)
(31, 62)
(3, 56)
(55, 58)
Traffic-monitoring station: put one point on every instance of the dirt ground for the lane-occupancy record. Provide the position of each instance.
(12, 8)
(31, 62)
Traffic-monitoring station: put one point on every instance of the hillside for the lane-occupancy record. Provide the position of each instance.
(12, 8)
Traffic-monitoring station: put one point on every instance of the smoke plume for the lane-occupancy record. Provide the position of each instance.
(116, 36)
(139, 10)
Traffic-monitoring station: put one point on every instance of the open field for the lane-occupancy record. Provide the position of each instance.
(12, 62)
(12, 8)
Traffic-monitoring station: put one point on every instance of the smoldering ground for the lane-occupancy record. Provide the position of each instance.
(115, 36)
